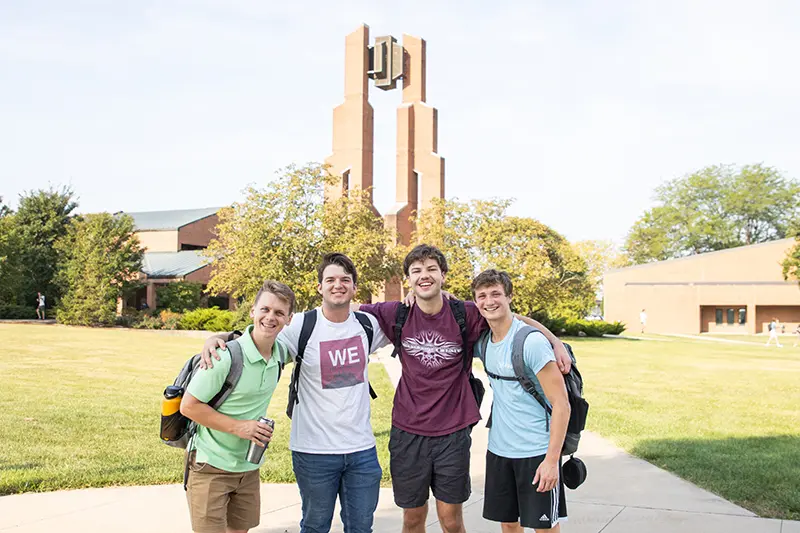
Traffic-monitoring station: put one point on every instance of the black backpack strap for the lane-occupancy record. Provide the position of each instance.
(460, 314)
(363, 319)
(309, 321)
(366, 324)
(235, 372)
(399, 321)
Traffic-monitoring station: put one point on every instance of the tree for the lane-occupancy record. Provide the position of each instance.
(281, 232)
(42, 218)
(101, 261)
(547, 273)
(10, 272)
(600, 257)
(179, 296)
(713, 209)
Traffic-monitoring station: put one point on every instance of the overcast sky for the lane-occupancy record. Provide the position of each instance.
(576, 109)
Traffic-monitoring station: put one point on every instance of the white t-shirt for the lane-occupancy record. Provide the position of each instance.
(643, 317)
(333, 413)
(41, 300)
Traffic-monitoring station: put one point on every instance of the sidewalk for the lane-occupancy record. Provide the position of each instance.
(622, 494)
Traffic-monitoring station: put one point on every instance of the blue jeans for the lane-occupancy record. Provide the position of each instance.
(354, 477)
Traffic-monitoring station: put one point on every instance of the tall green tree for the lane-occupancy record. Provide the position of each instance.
(715, 208)
(101, 260)
(41, 219)
(282, 231)
(10, 272)
(548, 274)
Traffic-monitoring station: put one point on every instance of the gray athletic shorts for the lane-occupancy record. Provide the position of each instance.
(420, 464)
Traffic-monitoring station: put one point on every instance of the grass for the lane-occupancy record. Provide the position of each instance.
(80, 408)
(723, 416)
(785, 338)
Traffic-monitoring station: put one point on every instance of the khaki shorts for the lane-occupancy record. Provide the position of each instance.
(218, 498)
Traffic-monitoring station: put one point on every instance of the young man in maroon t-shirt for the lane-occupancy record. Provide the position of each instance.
(434, 408)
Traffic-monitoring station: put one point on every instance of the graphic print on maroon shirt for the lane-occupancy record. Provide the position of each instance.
(342, 362)
(433, 397)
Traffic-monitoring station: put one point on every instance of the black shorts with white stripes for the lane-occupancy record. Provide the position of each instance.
(511, 496)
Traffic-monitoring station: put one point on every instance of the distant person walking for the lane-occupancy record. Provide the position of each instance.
(773, 333)
(40, 306)
(797, 332)
(643, 319)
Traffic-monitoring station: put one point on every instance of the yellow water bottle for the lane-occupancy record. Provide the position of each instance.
(173, 423)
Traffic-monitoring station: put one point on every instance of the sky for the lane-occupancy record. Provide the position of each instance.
(578, 109)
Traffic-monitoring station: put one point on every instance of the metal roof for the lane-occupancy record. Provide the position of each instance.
(173, 264)
(169, 220)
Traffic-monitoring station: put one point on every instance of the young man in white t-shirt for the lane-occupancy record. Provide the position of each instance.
(333, 447)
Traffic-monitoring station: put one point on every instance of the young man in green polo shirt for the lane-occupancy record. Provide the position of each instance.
(223, 488)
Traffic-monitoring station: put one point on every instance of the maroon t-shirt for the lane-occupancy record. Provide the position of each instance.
(433, 397)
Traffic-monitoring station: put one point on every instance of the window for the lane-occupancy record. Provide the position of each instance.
(730, 317)
(742, 316)
(719, 316)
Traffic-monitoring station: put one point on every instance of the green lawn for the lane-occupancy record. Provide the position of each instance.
(80, 408)
(723, 416)
(786, 338)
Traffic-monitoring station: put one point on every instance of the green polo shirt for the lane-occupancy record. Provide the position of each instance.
(248, 401)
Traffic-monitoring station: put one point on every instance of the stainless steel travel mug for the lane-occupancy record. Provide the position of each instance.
(254, 451)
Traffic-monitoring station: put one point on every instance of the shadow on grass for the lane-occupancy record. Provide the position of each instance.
(761, 474)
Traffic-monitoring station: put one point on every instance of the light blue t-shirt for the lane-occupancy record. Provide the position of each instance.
(519, 428)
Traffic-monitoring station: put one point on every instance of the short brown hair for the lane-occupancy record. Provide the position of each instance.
(421, 252)
(341, 260)
(491, 277)
(278, 289)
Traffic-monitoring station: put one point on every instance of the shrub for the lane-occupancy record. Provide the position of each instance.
(149, 322)
(212, 319)
(577, 327)
(169, 319)
(179, 296)
(17, 312)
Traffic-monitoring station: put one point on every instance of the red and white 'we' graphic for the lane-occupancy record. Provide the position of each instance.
(342, 362)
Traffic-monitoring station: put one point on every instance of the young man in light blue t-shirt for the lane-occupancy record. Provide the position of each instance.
(523, 462)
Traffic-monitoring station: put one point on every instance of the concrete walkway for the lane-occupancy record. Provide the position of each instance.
(621, 495)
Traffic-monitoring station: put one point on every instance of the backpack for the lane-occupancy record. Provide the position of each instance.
(176, 429)
(309, 322)
(460, 313)
(573, 382)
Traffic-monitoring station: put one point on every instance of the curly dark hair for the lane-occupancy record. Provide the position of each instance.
(421, 252)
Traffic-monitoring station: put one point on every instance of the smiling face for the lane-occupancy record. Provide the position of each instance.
(337, 287)
(426, 279)
(270, 314)
(492, 302)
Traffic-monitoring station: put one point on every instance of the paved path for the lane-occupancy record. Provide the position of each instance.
(621, 495)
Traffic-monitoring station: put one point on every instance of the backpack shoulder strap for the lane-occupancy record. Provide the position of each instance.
(309, 321)
(399, 321)
(460, 314)
(235, 372)
(365, 322)
(518, 362)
